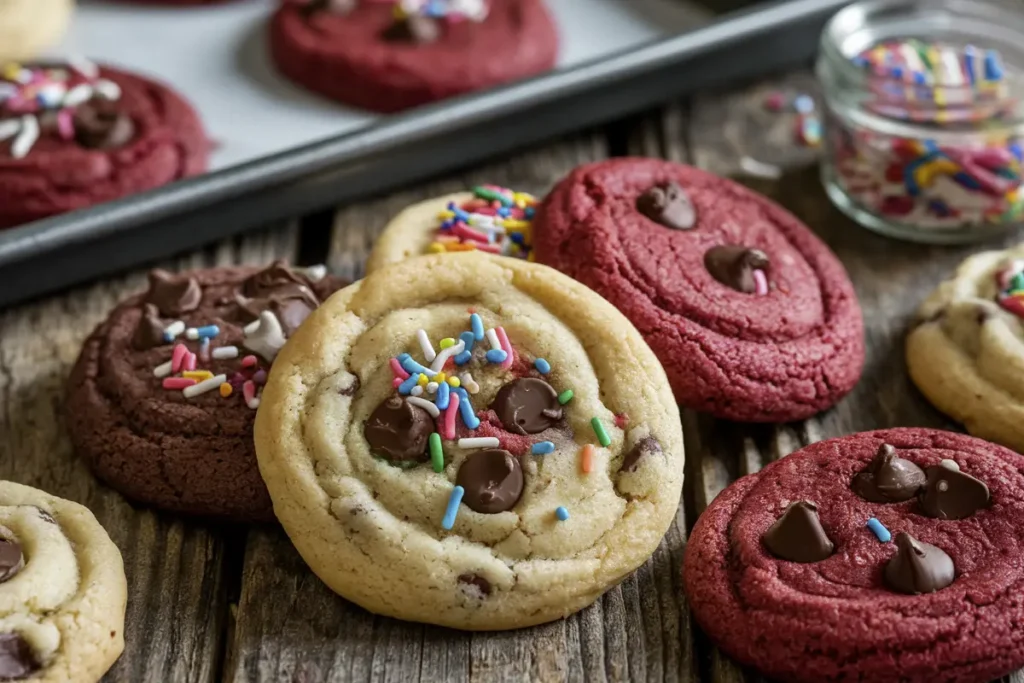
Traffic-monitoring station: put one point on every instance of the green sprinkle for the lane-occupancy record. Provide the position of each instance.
(436, 453)
(565, 397)
(447, 342)
(484, 193)
(602, 435)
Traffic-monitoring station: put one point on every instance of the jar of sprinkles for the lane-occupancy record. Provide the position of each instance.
(924, 131)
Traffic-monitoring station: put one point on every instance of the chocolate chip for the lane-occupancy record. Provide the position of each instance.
(527, 406)
(101, 125)
(492, 479)
(734, 266)
(951, 494)
(281, 290)
(17, 660)
(398, 431)
(12, 560)
(173, 295)
(918, 567)
(889, 478)
(646, 446)
(669, 205)
(413, 29)
(477, 584)
(150, 331)
(798, 536)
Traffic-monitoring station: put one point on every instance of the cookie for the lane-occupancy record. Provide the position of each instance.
(752, 316)
(492, 219)
(372, 55)
(162, 399)
(470, 441)
(27, 27)
(966, 353)
(62, 590)
(881, 556)
(73, 135)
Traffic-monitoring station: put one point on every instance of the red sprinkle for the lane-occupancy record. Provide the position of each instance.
(622, 420)
(177, 382)
(249, 361)
(177, 356)
(249, 390)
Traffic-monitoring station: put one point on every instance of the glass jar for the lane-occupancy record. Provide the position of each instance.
(924, 136)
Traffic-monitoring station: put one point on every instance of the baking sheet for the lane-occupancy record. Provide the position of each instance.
(218, 57)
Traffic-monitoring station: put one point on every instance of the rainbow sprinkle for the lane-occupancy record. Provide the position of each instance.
(453, 11)
(497, 220)
(453, 508)
(1010, 281)
(561, 513)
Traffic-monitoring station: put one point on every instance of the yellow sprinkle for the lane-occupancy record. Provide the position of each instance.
(422, 381)
(511, 224)
(446, 342)
(225, 389)
(454, 381)
(436, 248)
(12, 70)
(440, 377)
(446, 214)
(198, 375)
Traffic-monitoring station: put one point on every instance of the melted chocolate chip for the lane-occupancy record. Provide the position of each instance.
(282, 291)
(413, 29)
(951, 494)
(734, 266)
(646, 446)
(101, 125)
(17, 660)
(476, 583)
(398, 431)
(527, 406)
(12, 560)
(669, 205)
(173, 295)
(150, 332)
(492, 479)
(889, 478)
(918, 567)
(798, 536)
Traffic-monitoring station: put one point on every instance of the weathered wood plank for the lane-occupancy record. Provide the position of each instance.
(177, 602)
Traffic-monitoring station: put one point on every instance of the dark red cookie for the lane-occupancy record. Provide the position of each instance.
(853, 615)
(348, 57)
(676, 249)
(186, 454)
(165, 142)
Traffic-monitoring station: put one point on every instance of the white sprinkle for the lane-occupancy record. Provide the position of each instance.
(760, 169)
(315, 273)
(204, 386)
(174, 329)
(83, 66)
(492, 337)
(431, 387)
(225, 352)
(469, 383)
(26, 138)
(425, 404)
(251, 327)
(417, 390)
(950, 465)
(9, 128)
(192, 333)
(443, 357)
(253, 403)
(163, 370)
(107, 89)
(80, 94)
(428, 348)
(480, 442)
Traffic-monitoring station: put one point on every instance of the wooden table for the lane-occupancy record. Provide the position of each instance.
(235, 604)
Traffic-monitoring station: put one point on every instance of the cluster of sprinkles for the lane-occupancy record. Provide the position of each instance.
(453, 11)
(1010, 281)
(32, 98)
(497, 220)
(808, 128)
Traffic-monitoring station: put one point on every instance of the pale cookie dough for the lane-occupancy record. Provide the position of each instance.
(967, 353)
(27, 27)
(431, 227)
(371, 524)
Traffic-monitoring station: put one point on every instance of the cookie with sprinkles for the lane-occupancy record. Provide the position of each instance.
(74, 134)
(876, 557)
(470, 441)
(491, 219)
(390, 55)
(966, 353)
(162, 399)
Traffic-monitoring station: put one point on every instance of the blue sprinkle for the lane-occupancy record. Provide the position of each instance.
(469, 338)
(860, 61)
(529, 213)
(443, 396)
(405, 388)
(412, 367)
(919, 78)
(879, 530)
(993, 69)
(517, 238)
(469, 417)
(504, 212)
(453, 508)
(970, 55)
(463, 358)
(1017, 151)
(895, 72)
(477, 324)
(496, 356)
(168, 338)
(804, 104)
(561, 513)
(208, 331)
(542, 448)
(543, 367)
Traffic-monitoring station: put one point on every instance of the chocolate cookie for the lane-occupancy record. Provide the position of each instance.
(753, 318)
(74, 134)
(162, 400)
(384, 57)
(882, 556)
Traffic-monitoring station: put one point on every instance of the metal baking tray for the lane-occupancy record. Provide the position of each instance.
(317, 154)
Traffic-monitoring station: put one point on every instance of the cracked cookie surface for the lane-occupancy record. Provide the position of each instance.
(752, 316)
(62, 590)
(344, 434)
(849, 616)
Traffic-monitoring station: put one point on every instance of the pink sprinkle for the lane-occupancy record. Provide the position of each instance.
(65, 124)
(189, 364)
(177, 382)
(489, 248)
(248, 361)
(399, 371)
(449, 416)
(177, 356)
(468, 233)
(397, 382)
(249, 390)
(760, 283)
(506, 345)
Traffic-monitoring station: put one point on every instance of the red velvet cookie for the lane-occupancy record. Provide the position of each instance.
(74, 136)
(938, 601)
(159, 433)
(359, 53)
(752, 316)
